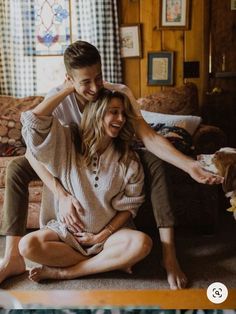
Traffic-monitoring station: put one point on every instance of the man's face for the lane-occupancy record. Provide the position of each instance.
(88, 81)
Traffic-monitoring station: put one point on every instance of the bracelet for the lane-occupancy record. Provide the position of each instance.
(110, 229)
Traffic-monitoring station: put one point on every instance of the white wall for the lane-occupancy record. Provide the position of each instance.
(50, 73)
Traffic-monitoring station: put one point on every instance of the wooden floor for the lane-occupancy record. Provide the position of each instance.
(164, 299)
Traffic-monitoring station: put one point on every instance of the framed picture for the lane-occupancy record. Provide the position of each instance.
(233, 4)
(130, 36)
(160, 68)
(174, 14)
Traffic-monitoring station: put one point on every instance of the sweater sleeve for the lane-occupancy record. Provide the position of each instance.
(132, 195)
(48, 141)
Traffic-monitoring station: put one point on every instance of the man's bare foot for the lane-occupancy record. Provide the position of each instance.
(11, 266)
(38, 274)
(175, 276)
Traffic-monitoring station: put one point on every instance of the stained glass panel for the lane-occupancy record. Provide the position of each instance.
(52, 21)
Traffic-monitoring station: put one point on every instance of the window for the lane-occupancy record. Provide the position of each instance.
(52, 26)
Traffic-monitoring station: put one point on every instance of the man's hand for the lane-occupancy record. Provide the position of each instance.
(68, 85)
(70, 211)
(203, 176)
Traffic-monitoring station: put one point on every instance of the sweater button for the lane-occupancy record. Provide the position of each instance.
(96, 185)
(96, 178)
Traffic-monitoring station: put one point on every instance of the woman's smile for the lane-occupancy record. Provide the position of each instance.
(114, 118)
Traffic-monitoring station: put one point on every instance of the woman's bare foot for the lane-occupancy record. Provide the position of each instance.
(11, 266)
(175, 276)
(44, 272)
(38, 274)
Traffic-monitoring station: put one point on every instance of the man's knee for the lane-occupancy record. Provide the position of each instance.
(18, 171)
(14, 170)
(153, 165)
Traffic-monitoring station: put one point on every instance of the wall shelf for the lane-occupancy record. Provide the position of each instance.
(225, 75)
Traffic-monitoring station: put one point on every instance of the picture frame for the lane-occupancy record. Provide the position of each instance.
(174, 14)
(160, 68)
(233, 5)
(130, 38)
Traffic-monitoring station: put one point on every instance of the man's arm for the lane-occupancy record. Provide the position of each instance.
(161, 147)
(69, 207)
(47, 106)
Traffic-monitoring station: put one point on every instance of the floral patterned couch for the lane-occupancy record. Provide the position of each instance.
(175, 101)
(12, 145)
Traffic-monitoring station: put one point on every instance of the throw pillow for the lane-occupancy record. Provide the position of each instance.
(181, 100)
(189, 123)
(11, 141)
(179, 137)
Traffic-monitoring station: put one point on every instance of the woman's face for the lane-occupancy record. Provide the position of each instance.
(114, 118)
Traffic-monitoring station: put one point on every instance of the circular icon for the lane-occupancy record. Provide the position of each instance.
(217, 292)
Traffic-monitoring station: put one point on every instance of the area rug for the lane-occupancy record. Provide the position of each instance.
(204, 258)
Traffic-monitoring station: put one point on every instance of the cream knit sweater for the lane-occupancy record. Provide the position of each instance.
(103, 188)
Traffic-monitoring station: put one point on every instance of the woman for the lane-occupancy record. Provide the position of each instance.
(97, 166)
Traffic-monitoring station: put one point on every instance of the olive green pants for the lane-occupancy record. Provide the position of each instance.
(157, 196)
(20, 173)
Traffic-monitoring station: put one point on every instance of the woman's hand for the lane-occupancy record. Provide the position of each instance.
(203, 176)
(86, 238)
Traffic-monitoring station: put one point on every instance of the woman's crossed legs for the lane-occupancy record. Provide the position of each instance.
(121, 251)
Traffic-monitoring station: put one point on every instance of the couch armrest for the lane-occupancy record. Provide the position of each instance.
(207, 139)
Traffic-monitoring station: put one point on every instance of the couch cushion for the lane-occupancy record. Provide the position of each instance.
(12, 107)
(189, 123)
(182, 100)
(11, 141)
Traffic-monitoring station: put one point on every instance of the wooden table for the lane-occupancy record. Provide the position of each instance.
(165, 299)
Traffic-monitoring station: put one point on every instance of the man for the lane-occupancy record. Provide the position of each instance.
(83, 66)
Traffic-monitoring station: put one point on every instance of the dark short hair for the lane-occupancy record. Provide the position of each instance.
(80, 54)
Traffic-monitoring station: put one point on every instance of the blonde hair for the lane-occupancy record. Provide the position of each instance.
(92, 130)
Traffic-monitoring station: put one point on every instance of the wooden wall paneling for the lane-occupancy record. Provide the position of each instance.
(149, 15)
(189, 45)
(129, 14)
(206, 50)
(223, 31)
(194, 43)
(173, 40)
(223, 35)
